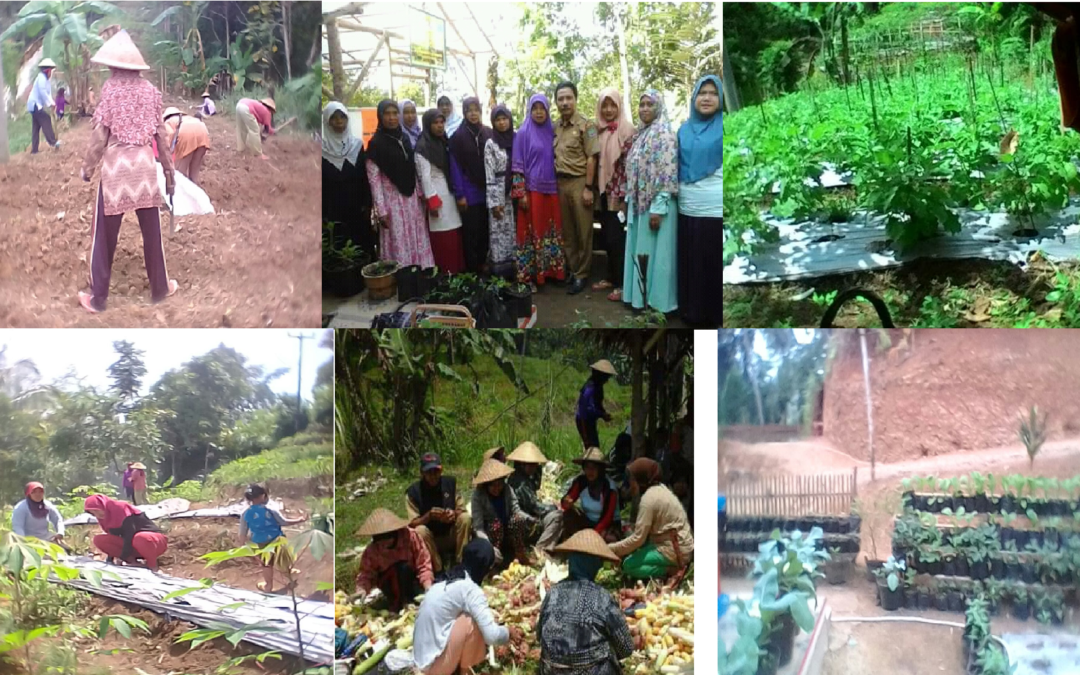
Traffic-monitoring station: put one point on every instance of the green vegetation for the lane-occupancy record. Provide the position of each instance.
(289, 460)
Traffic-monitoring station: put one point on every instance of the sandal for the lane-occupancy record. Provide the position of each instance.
(86, 300)
(615, 296)
(602, 285)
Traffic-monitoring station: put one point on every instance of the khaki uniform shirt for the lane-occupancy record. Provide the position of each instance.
(575, 142)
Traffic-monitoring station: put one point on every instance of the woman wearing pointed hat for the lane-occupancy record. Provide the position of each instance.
(253, 119)
(497, 453)
(138, 482)
(525, 482)
(38, 104)
(127, 120)
(590, 405)
(582, 630)
(396, 562)
(189, 139)
(597, 498)
(207, 109)
(496, 514)
(662, 541)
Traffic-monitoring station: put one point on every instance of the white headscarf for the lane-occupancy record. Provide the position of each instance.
(339, 148)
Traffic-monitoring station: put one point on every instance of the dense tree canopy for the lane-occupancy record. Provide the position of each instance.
(769, 376)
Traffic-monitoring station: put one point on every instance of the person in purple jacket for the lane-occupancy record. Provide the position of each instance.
(590, 405)
(129, 482)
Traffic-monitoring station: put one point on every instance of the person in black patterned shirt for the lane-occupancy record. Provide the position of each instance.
(526, 480)
(582, 631)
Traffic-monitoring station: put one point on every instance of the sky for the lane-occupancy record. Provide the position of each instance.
(88, 353)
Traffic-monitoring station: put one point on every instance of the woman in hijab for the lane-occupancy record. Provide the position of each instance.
(391, 169)
(652, 184)
(126, 121)
(701, 204)
(129, 534)
(662, 541)
(581, 628)
(539, 219)
(410, 122)
(33, 515)
(454, 624)
(453, 118)
(433, 162)
(597, 497)
(616, 135)
(497, 154)
(470, 185)
(346, 193)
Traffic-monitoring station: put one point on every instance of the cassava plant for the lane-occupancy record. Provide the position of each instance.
(1033, 433)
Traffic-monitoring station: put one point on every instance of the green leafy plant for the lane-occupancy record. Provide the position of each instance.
(1033, 433)
(891, 572)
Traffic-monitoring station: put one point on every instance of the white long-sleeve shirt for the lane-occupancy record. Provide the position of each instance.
(442, 605)
(433, 182)
(41, 95)
(26, 525)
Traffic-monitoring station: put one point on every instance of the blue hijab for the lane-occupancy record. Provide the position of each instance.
(701, 148)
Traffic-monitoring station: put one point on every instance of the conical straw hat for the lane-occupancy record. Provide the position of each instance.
(269, 103)
(491, 470)
(120, 52)
(381, 521)
(589, 542)
(592, 455)
(494, 451)
(527, 452)
(603, 366)
(169, 112)
(46, 63)
(138, 465)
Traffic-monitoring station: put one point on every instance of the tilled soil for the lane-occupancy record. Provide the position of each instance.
(256, 263)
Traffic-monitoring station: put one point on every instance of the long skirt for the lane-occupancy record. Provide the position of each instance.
(660, 276)
(448, 251)
(699, 276)
(539, 251)
(503, 236)
(248, 138)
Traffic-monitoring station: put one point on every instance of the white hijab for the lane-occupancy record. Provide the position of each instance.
(339, 148)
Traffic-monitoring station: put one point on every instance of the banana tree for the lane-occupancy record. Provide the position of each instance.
(189, 14)
(68, 32)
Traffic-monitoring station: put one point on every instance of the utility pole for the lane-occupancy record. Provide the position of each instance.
(3, 112)
(300, 369)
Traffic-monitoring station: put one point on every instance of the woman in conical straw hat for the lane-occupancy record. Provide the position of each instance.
(126, 121)
(397, 562)
(525, 482)
(497, 453)
(38, 103)
(596, 497)
(590, 405)
(189, 139)
(496, 514)
(581, 628)
(662, 541)
(253, 119)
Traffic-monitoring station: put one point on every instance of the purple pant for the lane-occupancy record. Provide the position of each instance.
(103, 248)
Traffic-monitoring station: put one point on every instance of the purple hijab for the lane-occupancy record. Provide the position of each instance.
(534, 151)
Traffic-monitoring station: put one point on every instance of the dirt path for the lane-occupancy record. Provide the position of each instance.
(256, 263)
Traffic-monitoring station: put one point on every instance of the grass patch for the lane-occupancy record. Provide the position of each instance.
(19, 132)
(289, 104)
(283, 462)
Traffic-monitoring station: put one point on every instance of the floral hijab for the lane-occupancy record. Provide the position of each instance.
(653, 164)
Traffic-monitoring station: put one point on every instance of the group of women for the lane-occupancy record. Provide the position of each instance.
(580, 625)
(450, 191)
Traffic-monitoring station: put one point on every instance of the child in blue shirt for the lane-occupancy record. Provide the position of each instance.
(262, 525)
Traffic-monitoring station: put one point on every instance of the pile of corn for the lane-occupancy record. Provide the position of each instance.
(551, 490)
(377, 625)
(665, 629)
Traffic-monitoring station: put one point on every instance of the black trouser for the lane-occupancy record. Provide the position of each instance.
(475, 237)
(614, 241)
(42, 122)
(400, 585)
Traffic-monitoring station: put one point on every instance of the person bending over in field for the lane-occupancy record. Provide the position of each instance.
(262, 525)
(397, 561)
(437, 513)
(129, 534)
(582, 631)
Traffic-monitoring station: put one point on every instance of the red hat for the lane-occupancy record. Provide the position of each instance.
(30, 487)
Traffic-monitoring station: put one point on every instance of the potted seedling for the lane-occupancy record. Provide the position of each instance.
(890, 590)
(341, 265)
(976, 627)
(1021, 609)
(787, 567)
(1033, 433)
(838, 567)
(995, 592)
(379, 278)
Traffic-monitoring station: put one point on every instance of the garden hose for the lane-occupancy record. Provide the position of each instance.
(841, 298)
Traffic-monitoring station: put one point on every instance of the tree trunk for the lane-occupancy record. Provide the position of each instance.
(751, 371)
(286, 29)
(637, 404)
(623, 67)
(3, 113)
(655, 382)
(337, 70)
(731, 90)
(228, 36)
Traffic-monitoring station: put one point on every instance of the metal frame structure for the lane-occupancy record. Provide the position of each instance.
(384, 24)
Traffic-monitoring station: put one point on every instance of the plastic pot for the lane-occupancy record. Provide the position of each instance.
(979, 570)
(941, 602)
(982, 503)
(1052, 538)
(871, 566)
(969, 504)
(924, 600)
(428, 281)
(831, 525)
(784, 639)
(344, 281)
(955, 601)
(1021, 538)
(962, 567)
(997, 568)
(855, 524)
(838, 572)
(408, 282)
(1021, 611)
(1007, 504)
(1012, 570)
(769, 662)
(890, 600)
(1027, 573)
(949, 567)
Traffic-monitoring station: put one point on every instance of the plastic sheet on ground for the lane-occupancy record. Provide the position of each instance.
(142, 587)
(232, 510)
(809, 249)
(162, 509)
(1034, 654)
(189, 199)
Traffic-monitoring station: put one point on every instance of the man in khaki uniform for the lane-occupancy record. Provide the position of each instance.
(577, 150)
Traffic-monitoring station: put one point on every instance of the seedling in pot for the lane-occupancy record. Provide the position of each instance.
(1033, 434)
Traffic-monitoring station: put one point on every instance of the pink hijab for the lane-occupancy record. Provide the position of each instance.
(611, 140)
(115, 511)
